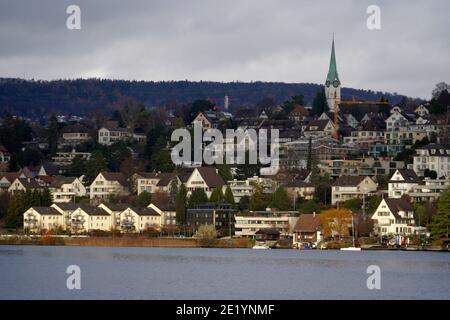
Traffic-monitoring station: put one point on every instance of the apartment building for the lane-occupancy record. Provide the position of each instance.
(107, 185)
(350, 187)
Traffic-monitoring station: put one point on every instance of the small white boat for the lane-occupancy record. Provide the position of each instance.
(351, 249)
(261, 246)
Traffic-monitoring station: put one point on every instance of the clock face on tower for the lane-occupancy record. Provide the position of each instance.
(327, 83)
(335, 83)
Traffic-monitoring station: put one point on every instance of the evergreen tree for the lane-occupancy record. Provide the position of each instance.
(94, 166)
(440, 224)
(259, 200)
(197, 196)
(46, 198)
(180, 205)
(280, 199)
(244, 203)
(173, 190)
(320, 104)
(216, 195)
(52, 134)
(77, 167)
(228, 197)
(143, 199)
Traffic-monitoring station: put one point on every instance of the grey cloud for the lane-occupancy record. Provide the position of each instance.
(245, 40)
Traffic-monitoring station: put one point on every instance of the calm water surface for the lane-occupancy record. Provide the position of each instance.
(33, 272)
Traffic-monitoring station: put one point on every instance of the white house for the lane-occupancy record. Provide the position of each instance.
(66, 189)
(86, 219)
(107, 185)
(167, 212)
(206, 178)
(139, 219)
(23, 184)
(36, 219)
(434, 157)
(350, 187)
(401, 182)
(66, 209)
(114, 209)
(107, 136)
(393, 217)
(397, 120)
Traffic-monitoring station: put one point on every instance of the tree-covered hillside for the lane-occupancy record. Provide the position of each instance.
(35, 98)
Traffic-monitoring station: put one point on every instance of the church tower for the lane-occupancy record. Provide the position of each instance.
(332, 84)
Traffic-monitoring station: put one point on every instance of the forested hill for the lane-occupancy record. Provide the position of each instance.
(34, 98)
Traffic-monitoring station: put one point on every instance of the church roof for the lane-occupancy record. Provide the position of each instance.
(332, 70)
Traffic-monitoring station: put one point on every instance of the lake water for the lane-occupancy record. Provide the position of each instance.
(34, 272)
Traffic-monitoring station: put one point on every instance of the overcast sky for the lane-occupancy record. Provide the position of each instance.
(227, 40)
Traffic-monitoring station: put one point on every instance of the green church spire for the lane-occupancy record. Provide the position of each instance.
(332, 77)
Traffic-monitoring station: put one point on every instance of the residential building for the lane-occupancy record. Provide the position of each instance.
(36, 219)
(248, 225)
(167, 212)
(66, 189)
(319, 128)
(86, 219)
(393, 217)
(66, 158)
(220, 215)
(24, 184)
(429, 191)
(350, 187)
(73, 135)
(298, 188)
(139, 219)
(401, 182)
(307, 230)
(434, 157)
(107, 136)
(107, 185)
(114, 209)
(66, 209)
(240, 188)
(206, 178)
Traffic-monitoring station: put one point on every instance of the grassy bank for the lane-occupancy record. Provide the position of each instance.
(125, 241)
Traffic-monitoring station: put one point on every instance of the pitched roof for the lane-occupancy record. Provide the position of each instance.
(93, 211)
(10, 176)
(67, 206)
(164, 206)
(211, 177)
(116, 206)
(320, 124)
(408, 175)
(348, 181)
(29, 183)
(46, 210)
(308, 223)
(398, 204)
(114, 176)
(144, 211)
(165, 178)
(58, 181)
(298, 109)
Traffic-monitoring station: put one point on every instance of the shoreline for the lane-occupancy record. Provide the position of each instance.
(144, 242)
